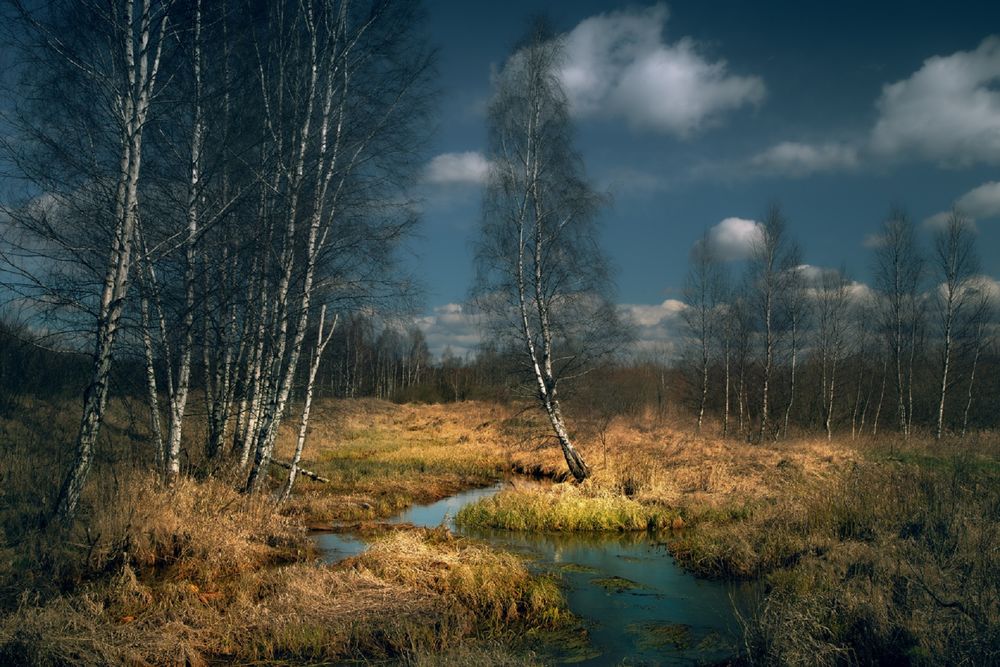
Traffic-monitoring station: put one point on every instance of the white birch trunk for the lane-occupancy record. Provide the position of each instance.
(141, 67)
(322, 338)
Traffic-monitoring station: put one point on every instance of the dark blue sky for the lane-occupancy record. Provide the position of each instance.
(692, 113)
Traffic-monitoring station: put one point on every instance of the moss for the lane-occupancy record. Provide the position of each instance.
(577, 568)
(660, 636)
(616, 584)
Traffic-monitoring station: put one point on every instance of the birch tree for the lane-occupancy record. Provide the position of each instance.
(899, 269)
(703, 290)
(978, 334)
(832, 312)
(769, 266)
(540, 273)
(344, 93)
(955, 263)
(95, 77)
(323, 336)
(795, 311)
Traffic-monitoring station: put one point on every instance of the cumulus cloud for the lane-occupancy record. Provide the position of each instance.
(792, 158)
(657, 326)
(860, 292)
(938, 221)
(450, 326)
(977, 203)
(648, 316)
(814, 275)
(983, 284)
(617, 65)
(947, 111)
(469, 168)
(734, 238)
(981, 202)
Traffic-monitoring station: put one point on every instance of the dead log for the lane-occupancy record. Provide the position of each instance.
(302, 471)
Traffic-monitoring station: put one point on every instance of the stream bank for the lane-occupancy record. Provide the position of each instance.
(635, 603)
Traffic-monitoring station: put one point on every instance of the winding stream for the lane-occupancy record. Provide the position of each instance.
(638, 606)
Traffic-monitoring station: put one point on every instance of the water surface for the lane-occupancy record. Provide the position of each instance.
(637, 605)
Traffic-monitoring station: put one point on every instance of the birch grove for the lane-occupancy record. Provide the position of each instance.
(247, 170)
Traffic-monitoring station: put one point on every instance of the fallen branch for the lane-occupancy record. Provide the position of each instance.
(302, 471)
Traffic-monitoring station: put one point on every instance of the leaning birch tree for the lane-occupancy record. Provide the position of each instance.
(541, 276)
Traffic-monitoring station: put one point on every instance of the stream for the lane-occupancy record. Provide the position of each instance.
(638, 606)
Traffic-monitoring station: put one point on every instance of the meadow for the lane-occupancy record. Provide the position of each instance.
(865, 552)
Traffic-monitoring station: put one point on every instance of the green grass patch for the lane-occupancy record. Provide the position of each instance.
(567, 510)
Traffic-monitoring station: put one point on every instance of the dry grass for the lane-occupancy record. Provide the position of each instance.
(198, 573)
(496, 586)
(414, 593)
(382, 457)
(900, 566)
(649, 475)
(871, 553)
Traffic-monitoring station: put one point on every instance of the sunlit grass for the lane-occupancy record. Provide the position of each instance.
(381, 458)
(567, 509)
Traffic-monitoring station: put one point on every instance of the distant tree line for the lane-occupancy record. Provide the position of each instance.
(788, 346)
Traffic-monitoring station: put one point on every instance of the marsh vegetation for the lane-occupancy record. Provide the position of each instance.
(212, 370)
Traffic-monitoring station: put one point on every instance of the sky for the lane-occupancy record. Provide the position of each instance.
(694, 117)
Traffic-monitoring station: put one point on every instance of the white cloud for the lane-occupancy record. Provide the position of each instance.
(799, 159)
(450, 326)
(873, 241)
(617, 65)
(947, 111)
(977, 203)
(733, 238)
(469, 167)
(657, 327)
(814, 275)
(981, 202)
(938, 221)
(985, 285)
(648, 316)
(860, 292)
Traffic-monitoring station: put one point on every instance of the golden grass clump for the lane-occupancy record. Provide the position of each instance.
(496, 586)
(200, 531)
(563, 508)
